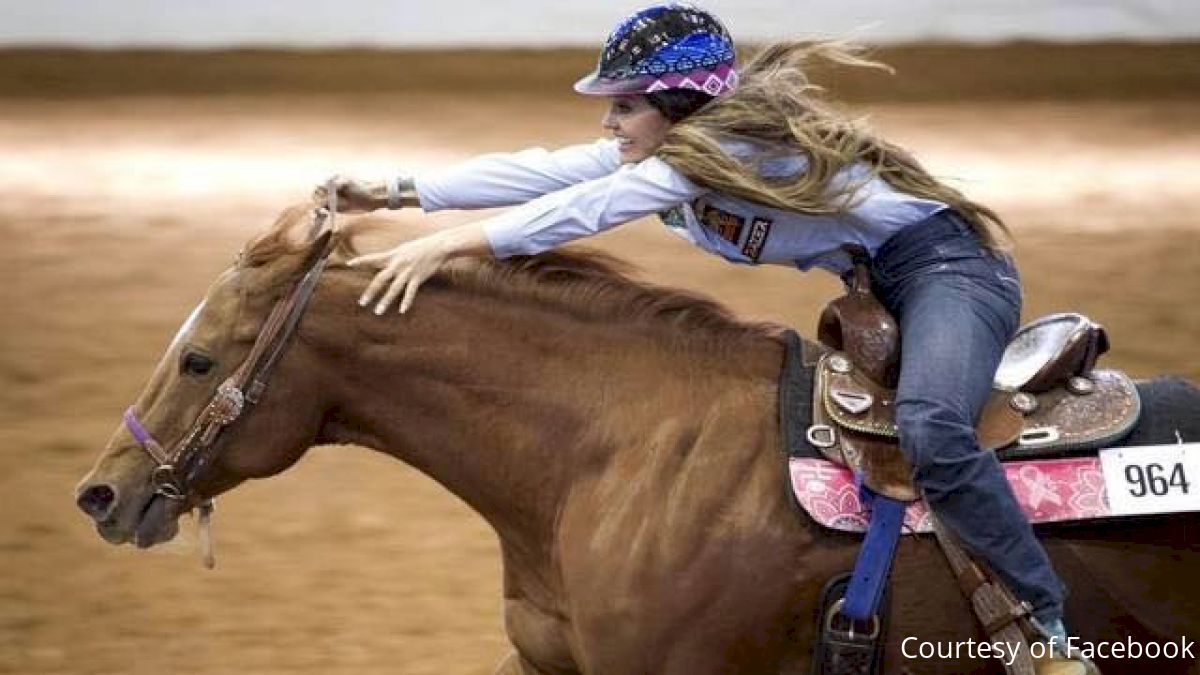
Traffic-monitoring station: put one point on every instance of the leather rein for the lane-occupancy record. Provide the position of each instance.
(176, 473)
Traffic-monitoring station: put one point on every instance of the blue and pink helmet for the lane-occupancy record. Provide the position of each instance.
(665, 46)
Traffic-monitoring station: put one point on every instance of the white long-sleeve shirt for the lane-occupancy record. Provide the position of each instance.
(584, 189)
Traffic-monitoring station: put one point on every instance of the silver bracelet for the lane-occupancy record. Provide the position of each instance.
(401, 192)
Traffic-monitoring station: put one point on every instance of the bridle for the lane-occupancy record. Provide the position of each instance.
(176, 473)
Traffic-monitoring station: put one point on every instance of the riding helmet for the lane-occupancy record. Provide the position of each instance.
(663, 47)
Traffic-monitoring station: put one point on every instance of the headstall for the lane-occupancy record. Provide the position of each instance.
(176, 473)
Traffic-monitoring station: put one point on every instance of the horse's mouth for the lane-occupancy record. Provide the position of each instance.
(154, 523)
(157, 523)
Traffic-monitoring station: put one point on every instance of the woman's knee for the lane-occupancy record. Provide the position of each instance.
(931, 434)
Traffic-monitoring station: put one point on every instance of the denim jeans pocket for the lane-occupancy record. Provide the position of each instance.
(1006, 270)
(990, 266)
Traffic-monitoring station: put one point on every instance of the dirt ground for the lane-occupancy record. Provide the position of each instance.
(117, 211)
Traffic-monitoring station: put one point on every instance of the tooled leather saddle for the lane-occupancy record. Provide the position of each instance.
(1048, 397)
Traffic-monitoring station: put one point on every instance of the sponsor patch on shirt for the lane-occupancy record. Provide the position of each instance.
(759, 229)
(729, 226)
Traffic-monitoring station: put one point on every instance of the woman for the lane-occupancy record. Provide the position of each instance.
(761, 171)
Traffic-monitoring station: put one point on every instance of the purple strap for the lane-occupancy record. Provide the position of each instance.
(135, 427)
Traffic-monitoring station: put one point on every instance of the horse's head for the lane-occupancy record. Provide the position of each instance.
(175, 420)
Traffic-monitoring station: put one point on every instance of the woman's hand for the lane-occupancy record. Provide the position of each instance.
(353, 196)
(406, 267)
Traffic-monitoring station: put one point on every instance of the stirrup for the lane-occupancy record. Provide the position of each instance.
(846, 647)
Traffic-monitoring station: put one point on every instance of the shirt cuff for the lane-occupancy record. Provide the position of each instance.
(428, 205)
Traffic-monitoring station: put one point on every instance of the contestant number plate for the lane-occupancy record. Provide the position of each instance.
(1152, 478)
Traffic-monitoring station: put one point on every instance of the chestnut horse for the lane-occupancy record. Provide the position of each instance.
(622, 440)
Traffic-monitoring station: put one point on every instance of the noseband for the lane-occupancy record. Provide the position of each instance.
(175, 474)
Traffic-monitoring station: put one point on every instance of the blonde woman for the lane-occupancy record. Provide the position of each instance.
(761, 171)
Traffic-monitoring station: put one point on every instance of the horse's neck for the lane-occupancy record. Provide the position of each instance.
(508, 405)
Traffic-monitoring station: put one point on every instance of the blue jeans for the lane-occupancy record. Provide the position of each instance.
(958, 304)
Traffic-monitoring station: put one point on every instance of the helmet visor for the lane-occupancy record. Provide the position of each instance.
(594, 85)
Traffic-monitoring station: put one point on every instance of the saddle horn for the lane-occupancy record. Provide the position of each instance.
(859, 325)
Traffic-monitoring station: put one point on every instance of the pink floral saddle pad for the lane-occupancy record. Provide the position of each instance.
(1049, 491)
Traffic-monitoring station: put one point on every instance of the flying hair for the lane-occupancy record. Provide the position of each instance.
(777, 107)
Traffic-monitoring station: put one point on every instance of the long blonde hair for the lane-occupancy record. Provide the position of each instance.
(776, 105)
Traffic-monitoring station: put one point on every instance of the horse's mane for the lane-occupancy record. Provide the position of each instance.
(583, 282)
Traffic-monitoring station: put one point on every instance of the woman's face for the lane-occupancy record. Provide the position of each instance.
(639, 126)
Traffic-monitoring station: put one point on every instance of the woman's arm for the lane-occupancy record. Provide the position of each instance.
(407, 266)
(636, 190)
(544, 223)
(507, 179)
(486, 181)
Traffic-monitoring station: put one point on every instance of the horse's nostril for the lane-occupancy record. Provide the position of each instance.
(97, 501)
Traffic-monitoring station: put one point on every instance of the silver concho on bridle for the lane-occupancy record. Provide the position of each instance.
(228, 404)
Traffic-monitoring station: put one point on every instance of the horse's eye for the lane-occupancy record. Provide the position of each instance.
(197, 364)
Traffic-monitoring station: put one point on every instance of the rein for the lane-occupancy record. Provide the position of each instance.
(176, 473)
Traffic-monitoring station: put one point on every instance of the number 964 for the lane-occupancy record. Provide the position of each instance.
(1154, 479)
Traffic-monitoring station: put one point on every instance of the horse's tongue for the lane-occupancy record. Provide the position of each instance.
(152, 523)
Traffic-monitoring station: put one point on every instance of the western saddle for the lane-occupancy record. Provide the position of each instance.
(1048, 397)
